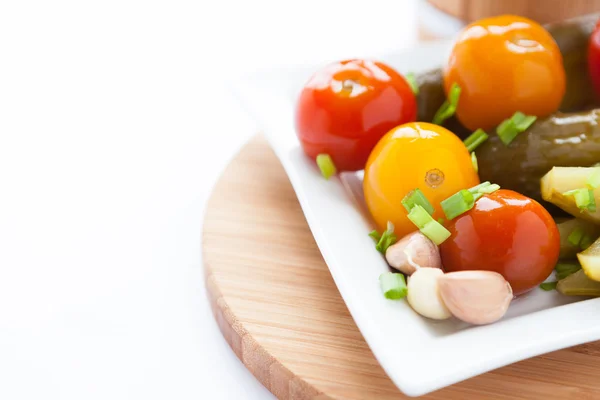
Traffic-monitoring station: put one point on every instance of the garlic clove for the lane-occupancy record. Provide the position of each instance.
(423, 293)
(414, 249)
(477, 297)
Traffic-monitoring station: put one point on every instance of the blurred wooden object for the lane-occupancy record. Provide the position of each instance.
(543, 11)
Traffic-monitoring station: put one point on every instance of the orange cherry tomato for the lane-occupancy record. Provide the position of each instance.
(504, 232)
(415, 155)
(503, 65)
(345, 108)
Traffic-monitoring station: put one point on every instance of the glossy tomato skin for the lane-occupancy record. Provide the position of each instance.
(505, 232)
(505, 64)
(415, 155)
(594, 59)
(345, 108)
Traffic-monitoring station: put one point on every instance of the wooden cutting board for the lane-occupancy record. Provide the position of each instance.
(277, 306)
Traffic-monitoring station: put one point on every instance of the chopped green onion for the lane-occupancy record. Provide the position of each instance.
(419, 216)
(464, 200)
(474, 162)
(375, 235)
(385, 240)
(547, 286)
(566, 272)
(415, 197)
(522, 121)
(562, 267)
(435, 232)
(563, 270)
(449, 107)
(511, 127)
(488, 189)
(475, 189)
(326, 165)
(412, 82)
(393, 285)
(584, 199)
(586, 242)
(458, 204)
(507, 131)
(427, 225)
(575, 237)
(594, 179)
(475, 139)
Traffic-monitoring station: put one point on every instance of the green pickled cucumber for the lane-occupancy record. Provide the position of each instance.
(566, 140)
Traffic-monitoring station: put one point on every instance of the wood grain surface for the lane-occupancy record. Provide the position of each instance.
(543, 11)
(277, 306)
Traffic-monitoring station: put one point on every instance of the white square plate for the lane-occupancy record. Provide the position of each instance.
(418, 354)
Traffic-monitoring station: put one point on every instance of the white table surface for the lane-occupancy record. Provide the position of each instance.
(115, 122)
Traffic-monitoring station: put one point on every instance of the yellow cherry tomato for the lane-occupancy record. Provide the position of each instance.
(415, 155)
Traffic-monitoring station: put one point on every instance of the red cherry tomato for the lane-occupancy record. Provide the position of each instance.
(345, 108)
(505, 232)
(594, 58)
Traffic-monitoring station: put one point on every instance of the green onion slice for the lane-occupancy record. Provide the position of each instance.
(594, 179)
(511, 127)
(375, 235)
(416, 197)
(562, 267)
(565, 269)
(522, 121)
(474, 162)
(575, 237)
(393, 285)
(427, 225)
(475, 189)
(449, 107)
(586, 241)
(458, 204)
(461, 202)
(584, 199)
(412, 82)
(475, 139)
(385, 240)
(547, 286)
(326, 165)
(489, 189)
(435, 232)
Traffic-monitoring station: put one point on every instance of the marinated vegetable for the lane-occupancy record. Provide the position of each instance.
(590, 261)
(568, 188)
(564, 139)
(413, 251)
(572, 38)
(476, 297)
(578, 284)
(339, 111)
(411, 156)
(530, 78)
(576, 235)
(507, 233)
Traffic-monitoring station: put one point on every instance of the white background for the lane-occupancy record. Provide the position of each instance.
(115, 120)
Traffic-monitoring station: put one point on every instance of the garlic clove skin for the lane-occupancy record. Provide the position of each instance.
(476, 297)
(413, 249)
(423, 294)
